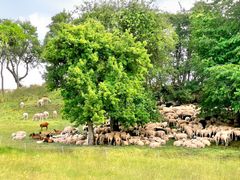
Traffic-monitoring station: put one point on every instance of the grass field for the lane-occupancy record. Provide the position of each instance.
(28, 160)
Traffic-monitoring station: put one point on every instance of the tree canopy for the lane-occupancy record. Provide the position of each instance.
(104, 74)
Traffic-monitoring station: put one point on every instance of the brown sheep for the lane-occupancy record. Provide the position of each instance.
(110, 137)
(36, 136)
(117, 138)
(44, 124)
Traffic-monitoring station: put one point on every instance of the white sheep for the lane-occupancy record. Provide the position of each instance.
(40, 103)
(46, 100)
(25, 116)
(154, 145)
(55, 114)
(46, 114)
(181, 136)
(21, 105)
(38, 116)
(19, 135)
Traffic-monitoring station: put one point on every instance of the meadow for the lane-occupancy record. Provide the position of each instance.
(28, 160)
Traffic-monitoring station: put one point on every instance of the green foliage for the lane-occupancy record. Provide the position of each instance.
(56, 25)
(146, 24)
(103, 74)
(221, 92)
(20, 45)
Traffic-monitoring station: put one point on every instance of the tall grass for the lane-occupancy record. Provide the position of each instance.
(28, 160)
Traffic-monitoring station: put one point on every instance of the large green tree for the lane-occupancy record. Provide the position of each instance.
(103, 75)
(145, 23)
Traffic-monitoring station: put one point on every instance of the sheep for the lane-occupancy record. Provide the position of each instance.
(109, 137)
(54, 114)
(25, 116)
(21, 105)
(102, 138)
(38, 116)
(43, 101)
(117, 138)
(180, 136)
(140, 143)
(178, 143)
(46, 100)
(57, 131)
(44, 124)
(154, 144)
(36, 136)
(19, 135)
(125, 143)
(125, 136)
(45, 114)
(40, 103)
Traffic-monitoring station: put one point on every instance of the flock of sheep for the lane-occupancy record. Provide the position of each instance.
(181, 124)
(19, 135)
(41, 115)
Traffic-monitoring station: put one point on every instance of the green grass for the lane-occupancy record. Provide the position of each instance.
(28, 160)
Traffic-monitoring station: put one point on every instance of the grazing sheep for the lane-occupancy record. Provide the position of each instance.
(36, 116)
(25, 116)
(40, 103)
(46, 100)
(43, 101)
(45, 114)
(54, 114)
(44, 124)
(21, 105)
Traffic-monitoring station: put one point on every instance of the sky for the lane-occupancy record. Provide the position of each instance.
(39, 13)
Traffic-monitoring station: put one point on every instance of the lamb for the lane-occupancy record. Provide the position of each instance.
(44, 124)
(21, 105)
(25, 116)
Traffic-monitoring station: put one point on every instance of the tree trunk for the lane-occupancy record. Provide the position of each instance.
(114, 124)
(238, 118)
(90, 133)
(2, 78)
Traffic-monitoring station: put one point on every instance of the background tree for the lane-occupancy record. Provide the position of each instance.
(215, 42)
(3, 41)
(55, 26)
(221, 92)
(22, 48)
(104, 75)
